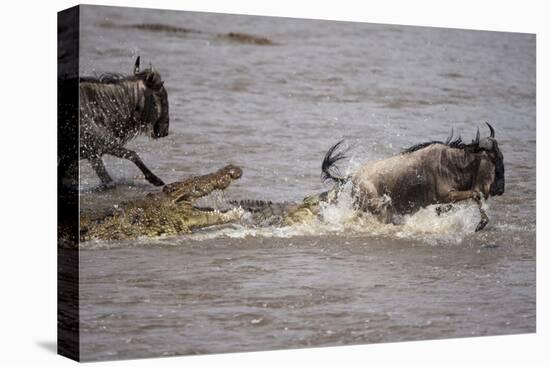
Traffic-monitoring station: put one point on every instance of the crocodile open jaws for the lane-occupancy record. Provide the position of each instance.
(169, 212)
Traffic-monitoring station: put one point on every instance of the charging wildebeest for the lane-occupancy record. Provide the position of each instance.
(115, 109)
(434, 172)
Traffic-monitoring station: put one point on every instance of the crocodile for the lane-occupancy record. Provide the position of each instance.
(168, 212)
(173, 210)
(281, 214)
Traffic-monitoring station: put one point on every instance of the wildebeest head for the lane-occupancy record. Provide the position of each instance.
(155, 109)
(489, 146)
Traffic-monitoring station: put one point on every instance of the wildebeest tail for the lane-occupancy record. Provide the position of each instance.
(328, 169)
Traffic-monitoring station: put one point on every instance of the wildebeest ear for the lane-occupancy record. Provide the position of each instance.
(153, 80)
(136, 66)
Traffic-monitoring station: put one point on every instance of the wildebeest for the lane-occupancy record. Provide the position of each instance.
(115, 109)
(434, 172)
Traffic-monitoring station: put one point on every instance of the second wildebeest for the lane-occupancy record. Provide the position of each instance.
(115, 109)
(434, 172)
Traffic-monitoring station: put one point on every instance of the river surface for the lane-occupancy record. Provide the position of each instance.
(274, 110)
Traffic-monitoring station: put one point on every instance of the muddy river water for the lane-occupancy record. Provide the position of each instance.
(274, 110)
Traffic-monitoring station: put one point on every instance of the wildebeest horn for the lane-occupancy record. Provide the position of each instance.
(450, 136)
(477, 137)
(492, 130)
(136, 66)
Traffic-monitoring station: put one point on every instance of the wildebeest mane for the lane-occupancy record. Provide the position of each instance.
(450, 142)
(105, 78)
(150, 76)
(108, 78)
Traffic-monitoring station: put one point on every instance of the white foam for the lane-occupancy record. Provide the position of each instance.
(340, 218)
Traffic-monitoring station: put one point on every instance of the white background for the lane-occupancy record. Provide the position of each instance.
(28, 181)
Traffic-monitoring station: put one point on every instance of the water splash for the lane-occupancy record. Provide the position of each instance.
(339, 218)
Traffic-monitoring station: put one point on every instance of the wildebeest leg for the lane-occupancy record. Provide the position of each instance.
(382, 208)
(367, 199)
(484, 218)
(99, 168)
(455, 196)
(134, 157)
